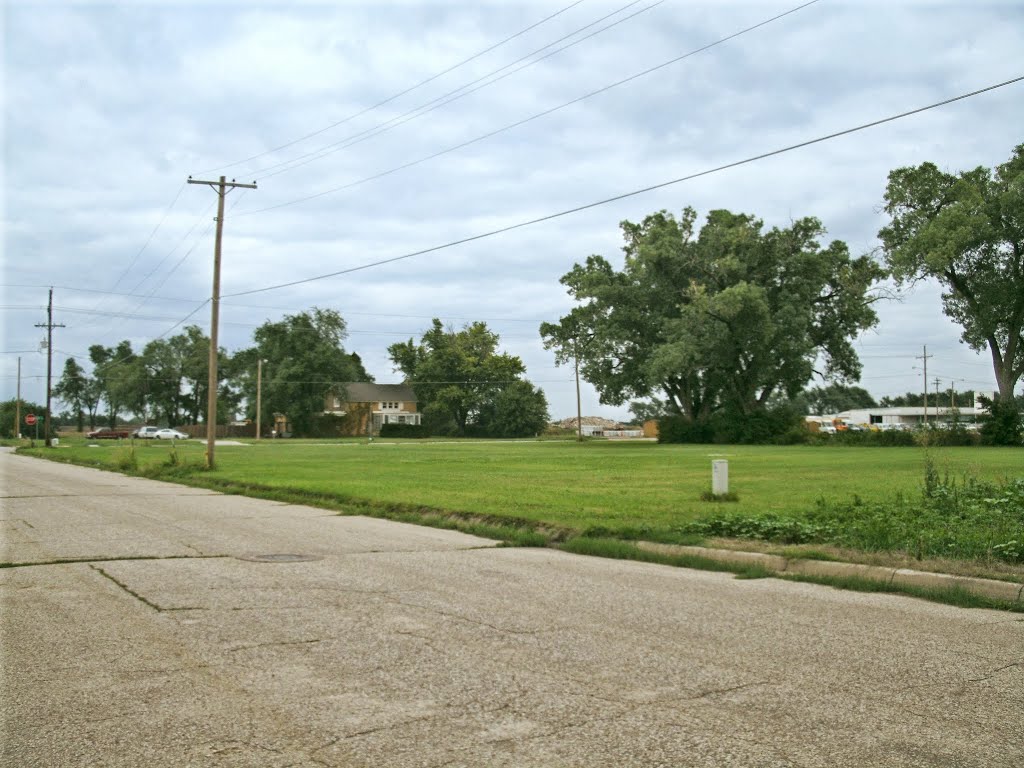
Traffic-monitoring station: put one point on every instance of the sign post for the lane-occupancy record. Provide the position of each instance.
(30, 420)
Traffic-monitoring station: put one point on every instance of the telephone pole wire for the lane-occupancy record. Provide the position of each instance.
(221, 187)
(49, 325)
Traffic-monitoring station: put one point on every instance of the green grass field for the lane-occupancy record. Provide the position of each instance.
(613, 485)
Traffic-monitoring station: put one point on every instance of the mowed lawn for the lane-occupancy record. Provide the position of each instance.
(609, 484)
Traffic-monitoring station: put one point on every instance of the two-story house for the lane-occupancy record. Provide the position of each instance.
(368, 406)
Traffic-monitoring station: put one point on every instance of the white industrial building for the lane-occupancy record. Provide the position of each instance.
(909, 416)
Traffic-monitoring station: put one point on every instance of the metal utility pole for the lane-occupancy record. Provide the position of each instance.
(924, 356)
(259, 394)
(49, 326)
(221, 187)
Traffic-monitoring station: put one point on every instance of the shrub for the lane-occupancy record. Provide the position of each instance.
(404, 430)
(1002, 425)
(326, 425)
(763, 427)
(677, 429)
(760, 427)
(956, 435)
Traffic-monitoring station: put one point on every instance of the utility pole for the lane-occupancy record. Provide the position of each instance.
(259, 394)
(924, 356)
(49, 326)
(937, 382)
(17, 406)
(579, 410)
(221, 187)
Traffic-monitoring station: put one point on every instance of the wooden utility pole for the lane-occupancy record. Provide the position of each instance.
(49, 325)
(17, 406)
(579, 410)
(259, 394)
(221, 187)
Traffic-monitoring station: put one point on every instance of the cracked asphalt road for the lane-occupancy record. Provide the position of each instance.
(134, 634)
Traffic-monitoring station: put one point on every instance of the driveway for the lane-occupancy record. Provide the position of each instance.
(149, 624)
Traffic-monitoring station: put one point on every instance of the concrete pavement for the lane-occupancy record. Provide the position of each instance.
(182, 636)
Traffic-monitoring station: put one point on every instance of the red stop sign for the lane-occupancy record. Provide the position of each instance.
(30, 419)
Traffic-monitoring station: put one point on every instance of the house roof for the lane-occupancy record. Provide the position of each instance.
(368, 392)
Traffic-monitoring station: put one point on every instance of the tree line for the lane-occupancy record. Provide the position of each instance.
(464, 385)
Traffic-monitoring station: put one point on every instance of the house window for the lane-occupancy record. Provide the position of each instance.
(337, 402)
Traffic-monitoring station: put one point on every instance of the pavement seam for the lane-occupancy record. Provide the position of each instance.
(127, 589)
(90, 560)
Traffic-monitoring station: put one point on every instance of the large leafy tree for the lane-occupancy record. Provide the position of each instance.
(518, 410)
(305, 359)
(115, 372)
(174, 377)
(461, 380)
(76, 390)
(966, 230)
(723, 318)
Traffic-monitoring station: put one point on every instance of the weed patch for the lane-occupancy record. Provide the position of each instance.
(966, 519)
(125, 460)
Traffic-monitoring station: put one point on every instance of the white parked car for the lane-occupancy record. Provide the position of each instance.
(169, 434)
(146, 432)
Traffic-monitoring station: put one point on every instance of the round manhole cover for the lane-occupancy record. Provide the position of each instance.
(280, 558)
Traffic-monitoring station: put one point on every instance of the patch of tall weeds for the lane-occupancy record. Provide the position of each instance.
(965, 518)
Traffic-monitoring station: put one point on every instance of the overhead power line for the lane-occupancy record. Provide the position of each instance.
(151, 235)
(623, 196)
(533, 117)
(452, 95)
(391, 98)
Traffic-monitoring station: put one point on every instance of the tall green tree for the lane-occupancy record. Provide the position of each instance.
(174, 378)
(519, 409)
(725, 317)
(305, 359)
(966, 230)
(74, 390)
(461, 380)
(115, 375)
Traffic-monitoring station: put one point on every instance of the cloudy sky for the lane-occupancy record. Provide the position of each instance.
(368, 127)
